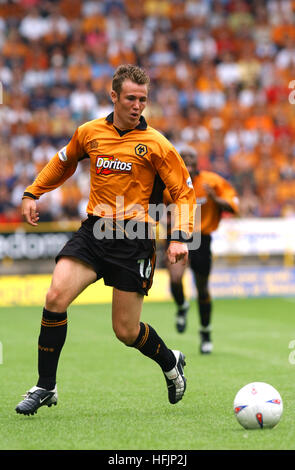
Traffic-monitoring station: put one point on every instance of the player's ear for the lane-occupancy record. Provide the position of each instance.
(114, 96)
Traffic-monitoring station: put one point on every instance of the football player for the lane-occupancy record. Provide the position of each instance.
(214, 196)
(127, 158)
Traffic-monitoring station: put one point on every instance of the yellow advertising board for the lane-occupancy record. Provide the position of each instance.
(224, 283)
(31, 290)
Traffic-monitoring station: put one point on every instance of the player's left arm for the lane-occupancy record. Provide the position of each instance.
(176, 178)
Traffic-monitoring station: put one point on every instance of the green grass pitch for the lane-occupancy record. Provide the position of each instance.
(113, 398)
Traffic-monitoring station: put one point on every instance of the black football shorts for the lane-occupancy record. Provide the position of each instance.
(126, 264)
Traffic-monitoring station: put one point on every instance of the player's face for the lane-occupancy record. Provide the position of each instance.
(190, 162)
(129, 105)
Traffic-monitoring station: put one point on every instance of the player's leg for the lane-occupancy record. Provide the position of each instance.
(201, 263)
(70, 277)
(126, 312)
(205, 312)
(176, 272)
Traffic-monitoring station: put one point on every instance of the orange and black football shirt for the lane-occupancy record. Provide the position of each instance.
(210, 212)
(123, 169)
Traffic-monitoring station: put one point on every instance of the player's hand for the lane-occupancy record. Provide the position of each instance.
(177, 251)
(29, 211)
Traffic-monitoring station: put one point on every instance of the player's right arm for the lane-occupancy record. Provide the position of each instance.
(53, 175)
(29, 211)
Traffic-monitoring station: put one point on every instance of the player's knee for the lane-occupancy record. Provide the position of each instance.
(176, 279)
(204, 296)
(55, 300)
(126, 335)
(203, 290)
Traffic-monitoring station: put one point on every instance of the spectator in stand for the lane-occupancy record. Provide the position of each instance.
(82, 101)
(242, 164)
(43, 152)
(33, 26)
(5, 73)
(249, 201)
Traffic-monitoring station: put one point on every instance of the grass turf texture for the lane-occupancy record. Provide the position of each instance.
(112, 397)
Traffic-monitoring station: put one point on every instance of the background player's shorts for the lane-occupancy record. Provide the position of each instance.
(201, 259)
(126, 264)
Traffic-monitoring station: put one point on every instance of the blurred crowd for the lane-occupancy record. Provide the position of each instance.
(221, 80)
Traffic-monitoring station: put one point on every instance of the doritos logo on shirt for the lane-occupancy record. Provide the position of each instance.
(106, 165)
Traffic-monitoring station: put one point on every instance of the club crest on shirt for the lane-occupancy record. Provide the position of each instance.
(108, 164)
(141, 150)
(93, 144)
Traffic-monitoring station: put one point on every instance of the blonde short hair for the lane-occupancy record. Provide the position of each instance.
(129, 72)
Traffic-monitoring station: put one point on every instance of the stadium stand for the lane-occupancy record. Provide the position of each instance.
(220, 81)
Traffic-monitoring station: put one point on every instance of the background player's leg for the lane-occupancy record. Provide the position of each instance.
(176, 272)
(204, 303)
(201, 263)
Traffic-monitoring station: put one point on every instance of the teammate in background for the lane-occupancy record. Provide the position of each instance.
(126, 159)
(215, 195)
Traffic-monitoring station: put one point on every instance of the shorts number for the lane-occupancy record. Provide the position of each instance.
(144, 272)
